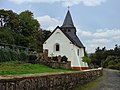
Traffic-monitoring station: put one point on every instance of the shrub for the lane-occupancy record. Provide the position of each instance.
(64, 59)
(23, 56)
(1, 56)
(9, 55)
(117, 67)
(112, 62)
(86, 60)
(14, 55)
(32, 58)
(5, 55)
(55, 58)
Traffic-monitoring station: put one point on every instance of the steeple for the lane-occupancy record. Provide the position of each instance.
(68, 20)
(69, 29)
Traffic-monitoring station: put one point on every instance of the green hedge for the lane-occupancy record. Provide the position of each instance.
(64, 59)
(9, 55)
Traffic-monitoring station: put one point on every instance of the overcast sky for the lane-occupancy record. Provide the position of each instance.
(97, 21)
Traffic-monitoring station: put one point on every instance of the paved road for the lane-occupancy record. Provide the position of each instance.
(110, 80)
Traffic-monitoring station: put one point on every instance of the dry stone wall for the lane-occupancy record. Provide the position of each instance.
(54, 64)
(53, 81)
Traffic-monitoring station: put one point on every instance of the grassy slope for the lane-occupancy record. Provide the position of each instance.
(7, 68)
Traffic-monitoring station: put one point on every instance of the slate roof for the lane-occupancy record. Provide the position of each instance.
(75, 39)
(68, 20)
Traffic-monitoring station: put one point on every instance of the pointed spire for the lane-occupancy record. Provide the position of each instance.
(68, 20)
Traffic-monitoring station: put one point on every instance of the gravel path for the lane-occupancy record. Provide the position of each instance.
(110, 80)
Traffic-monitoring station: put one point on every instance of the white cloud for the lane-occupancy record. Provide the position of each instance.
(85, 2)
(35, 1)
(101, 38)
(93, 2)
(98, 41)
(49, 22)
(107, 33)
(84, 33)
(65, 3)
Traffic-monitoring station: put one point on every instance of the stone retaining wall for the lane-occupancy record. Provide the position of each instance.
(54, 64)
(53, 81)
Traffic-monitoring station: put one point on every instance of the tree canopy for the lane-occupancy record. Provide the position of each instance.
(21, 29)
(107, 58)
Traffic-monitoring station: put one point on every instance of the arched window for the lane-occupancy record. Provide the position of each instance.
(57, 47)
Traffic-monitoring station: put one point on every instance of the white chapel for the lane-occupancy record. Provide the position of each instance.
(64, 41)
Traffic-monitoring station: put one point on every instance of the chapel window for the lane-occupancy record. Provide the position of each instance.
(78, 52)
(57, 47)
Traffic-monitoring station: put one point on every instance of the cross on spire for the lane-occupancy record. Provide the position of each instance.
(68, 7)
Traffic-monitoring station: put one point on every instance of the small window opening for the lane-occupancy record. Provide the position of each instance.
(69, 30)
(57, 47)
(78, 52)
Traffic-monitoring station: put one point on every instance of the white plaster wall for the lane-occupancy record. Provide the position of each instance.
(78, 59)
(75, 57)
(82, 54)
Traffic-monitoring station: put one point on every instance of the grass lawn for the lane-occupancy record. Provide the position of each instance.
(16, 67)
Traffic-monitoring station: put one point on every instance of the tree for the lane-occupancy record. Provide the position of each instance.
(86, 60)
(21, 29)
(43, 35)
(9, 19)
(21, 40)
(3, 17)
(28, 25)
(112, 62)
(107, 58)
(117, 50)
(6, 36)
